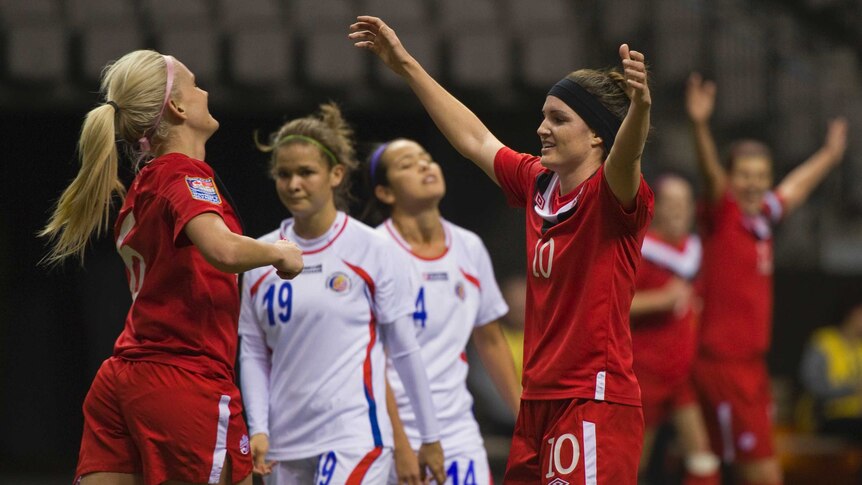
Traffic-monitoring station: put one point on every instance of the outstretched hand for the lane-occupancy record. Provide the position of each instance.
(373, 34)
(634, 68)
(699, 98)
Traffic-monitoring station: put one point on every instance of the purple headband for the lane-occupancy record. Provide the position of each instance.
(375, 160)
(169, 67)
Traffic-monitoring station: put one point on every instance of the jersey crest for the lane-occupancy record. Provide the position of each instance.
(338, 282)
(203, 189)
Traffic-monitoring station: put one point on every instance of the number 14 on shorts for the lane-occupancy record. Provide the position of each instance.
(469, 474)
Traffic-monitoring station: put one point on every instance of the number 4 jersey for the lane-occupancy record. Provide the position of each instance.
(183, 309)
(455, 293)
(311, 360)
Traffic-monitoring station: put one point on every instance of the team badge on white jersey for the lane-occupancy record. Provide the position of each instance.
(338, 282)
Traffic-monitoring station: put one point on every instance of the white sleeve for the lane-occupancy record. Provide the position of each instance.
(254, 364)
(394, 292)
(492, 305)
(404, 353)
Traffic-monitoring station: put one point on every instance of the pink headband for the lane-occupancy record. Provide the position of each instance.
(169, 67)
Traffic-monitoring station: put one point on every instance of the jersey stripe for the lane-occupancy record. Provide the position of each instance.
(366, 367)
(220, 449)
(361, 469)
(369, 386)
(364, 275)
(256, 286)
(471, 279)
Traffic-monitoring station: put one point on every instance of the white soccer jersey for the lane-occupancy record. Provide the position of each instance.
(454, 294)
(312, 363)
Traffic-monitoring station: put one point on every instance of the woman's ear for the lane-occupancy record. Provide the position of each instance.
(336, 175)
(176, 110)
(595, 140)
(384, 194)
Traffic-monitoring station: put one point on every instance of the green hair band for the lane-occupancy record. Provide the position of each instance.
(314, 142)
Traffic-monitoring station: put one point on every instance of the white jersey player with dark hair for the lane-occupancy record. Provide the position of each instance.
(312, 351)
(456, 299)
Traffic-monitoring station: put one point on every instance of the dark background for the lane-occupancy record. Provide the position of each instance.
(783, 69)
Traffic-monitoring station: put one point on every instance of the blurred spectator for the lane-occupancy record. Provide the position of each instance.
(831, 373)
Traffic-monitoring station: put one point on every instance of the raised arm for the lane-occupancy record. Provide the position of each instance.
(459, 125)
(234, 253)
(795, 188)
(700, 103)
(623, 165)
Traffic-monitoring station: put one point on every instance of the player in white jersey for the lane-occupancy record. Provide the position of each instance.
(312, 351)
(456, 297)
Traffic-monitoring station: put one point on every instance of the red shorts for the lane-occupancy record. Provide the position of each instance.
(162, 422)
(660, 398)
(737, 406)
(576, 442)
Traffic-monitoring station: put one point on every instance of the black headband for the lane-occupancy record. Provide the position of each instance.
(594, 113)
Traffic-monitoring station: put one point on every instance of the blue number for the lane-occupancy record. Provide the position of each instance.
(453, 472)
(470, 477)
(420, 315)
(285, 303)
(327, 469)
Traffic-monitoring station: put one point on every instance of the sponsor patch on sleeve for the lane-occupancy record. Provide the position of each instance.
(203, 189)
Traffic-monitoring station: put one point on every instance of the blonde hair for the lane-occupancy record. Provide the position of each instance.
(136, 85)
(330, 133)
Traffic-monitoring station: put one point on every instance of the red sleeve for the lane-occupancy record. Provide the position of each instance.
(189, 190)
(516, 173)
(639, 216)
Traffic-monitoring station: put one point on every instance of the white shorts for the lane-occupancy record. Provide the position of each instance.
(464, 468)
(334, 467)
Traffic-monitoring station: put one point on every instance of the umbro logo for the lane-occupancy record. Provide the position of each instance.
(558, 481)
(540, 203)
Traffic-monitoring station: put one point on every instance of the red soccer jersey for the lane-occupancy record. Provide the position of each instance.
(665, 342)
(184, 311)
(737, 279)
(582, 254)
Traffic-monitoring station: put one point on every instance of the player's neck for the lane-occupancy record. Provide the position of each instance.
(423, 231)
(570, 179)
(669, 236)
(315, 225)
(181, 141)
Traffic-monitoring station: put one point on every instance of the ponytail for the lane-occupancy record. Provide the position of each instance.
(136, 88)
(85, 206)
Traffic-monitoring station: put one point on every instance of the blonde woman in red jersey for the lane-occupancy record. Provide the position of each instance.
(164, 408)
(588, 208)
(740, 208)
(664, 330)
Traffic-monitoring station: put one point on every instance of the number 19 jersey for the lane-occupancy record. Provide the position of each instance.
(311, 360)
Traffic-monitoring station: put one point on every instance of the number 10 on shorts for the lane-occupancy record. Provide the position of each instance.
(564, 452)
(556, 463)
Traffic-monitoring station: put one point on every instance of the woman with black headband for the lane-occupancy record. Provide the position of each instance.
(588, 208)
(456, 300)
(164, 407)
(312, 349)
